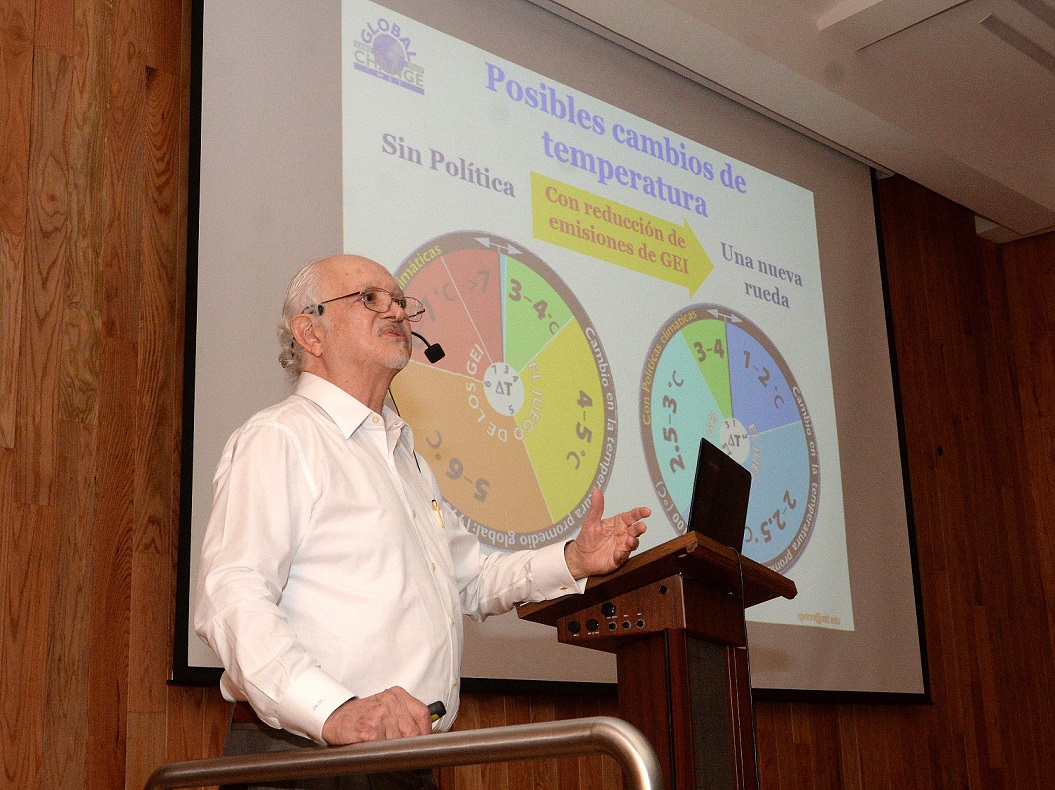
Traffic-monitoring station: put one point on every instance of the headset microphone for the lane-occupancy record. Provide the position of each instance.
(433, 351)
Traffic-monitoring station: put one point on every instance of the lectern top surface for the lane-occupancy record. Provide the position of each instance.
(692, 554)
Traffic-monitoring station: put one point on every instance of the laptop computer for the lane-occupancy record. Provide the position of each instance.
(720, 492)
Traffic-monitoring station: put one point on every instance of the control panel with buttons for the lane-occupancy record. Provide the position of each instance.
(635, 613)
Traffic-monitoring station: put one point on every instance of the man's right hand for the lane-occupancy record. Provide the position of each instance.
(391, 714)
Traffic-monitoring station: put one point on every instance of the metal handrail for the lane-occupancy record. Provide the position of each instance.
(603, 734)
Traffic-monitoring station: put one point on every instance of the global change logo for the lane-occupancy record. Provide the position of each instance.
(384, 50)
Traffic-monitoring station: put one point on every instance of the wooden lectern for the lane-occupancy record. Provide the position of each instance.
(674, 617)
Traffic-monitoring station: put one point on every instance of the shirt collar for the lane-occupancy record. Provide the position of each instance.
(344, 409)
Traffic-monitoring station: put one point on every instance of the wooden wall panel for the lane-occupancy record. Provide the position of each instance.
(126, 172)
(47, 236)
(589, 772)
(16, 65)
(93, 182)
(66, 711)
(83, 293)
(1029, 282)
(110, 591)
(27, 578)
(92, 218)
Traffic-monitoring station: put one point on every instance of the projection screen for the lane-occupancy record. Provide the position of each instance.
(618, 262)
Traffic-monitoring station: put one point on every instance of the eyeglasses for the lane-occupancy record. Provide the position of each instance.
(379, 300)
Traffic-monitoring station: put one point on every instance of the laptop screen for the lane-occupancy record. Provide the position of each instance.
(720, 493)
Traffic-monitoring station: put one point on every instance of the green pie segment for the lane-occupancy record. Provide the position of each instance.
(709, 347)
(534, 313)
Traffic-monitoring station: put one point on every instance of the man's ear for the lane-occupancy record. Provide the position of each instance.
(306, 333)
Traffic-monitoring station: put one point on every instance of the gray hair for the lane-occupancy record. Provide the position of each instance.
(300, 298)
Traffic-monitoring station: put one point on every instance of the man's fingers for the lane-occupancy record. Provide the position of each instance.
(392, 713)
(410, 715)
(596, 505)
(638, 515)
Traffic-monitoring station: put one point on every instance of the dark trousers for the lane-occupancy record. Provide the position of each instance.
(260, 739)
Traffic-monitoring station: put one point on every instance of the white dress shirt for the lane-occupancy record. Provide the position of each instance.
(331, 566)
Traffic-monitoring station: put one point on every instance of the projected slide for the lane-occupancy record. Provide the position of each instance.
(520, 420)
(711, 373)
(573, 258)
(598, 241)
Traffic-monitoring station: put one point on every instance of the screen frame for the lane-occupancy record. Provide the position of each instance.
(185, 674)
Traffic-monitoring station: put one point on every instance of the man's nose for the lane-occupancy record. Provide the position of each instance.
(394, 309)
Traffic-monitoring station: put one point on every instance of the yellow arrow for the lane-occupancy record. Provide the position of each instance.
(581, 221)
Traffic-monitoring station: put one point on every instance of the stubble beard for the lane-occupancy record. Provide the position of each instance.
(397, 359)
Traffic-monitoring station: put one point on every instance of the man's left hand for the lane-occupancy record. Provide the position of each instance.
(604, 544)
